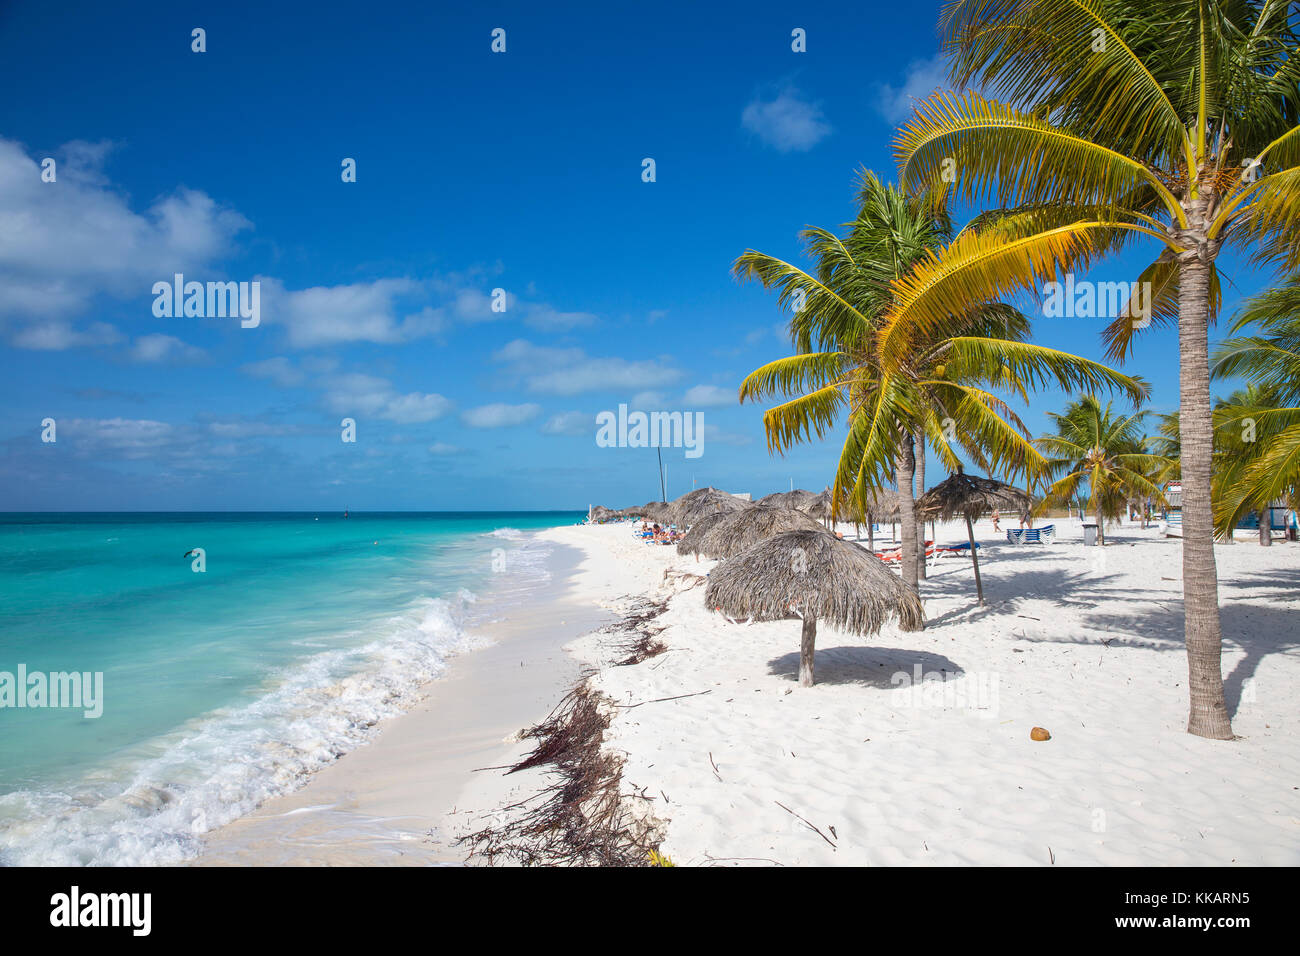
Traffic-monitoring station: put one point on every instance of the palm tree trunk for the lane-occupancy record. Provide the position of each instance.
(920, 490)
(807, 645)
(1208, 716)
(907, 513)
(1265, 527)
(1101, 525)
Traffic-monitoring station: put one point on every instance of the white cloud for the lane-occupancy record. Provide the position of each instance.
(555, 371)
(131, 437)
(165, 348)
(787, 123)
(55, 335)
(359, 312)
(500, 415)
(63, 243)
(390, 311)
(923, 77)
(442, 448)
(570, 423)
(356, 394)
(415, 407)
(709, 396)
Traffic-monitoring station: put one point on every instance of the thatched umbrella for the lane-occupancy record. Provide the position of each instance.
(871, 505)
(812, 574)
(724, 534)
(654, 510)
(703, 501)
(695, 541)
(601, 514)
(688, 499)
(970, 496)
(798, 499)
(819, 506)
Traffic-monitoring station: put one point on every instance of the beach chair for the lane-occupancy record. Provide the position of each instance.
(1043, 535)
(896, 554)
(951, 550)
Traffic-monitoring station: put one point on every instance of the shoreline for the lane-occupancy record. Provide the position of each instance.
(396, 799)
(738, 765)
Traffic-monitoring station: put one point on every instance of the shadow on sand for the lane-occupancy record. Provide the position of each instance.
(866, 665)
(1154, 616)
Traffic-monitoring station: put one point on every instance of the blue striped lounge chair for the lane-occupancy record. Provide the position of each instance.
(1043, 535)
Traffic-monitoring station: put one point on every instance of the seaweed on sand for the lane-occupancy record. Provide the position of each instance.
(581, 817)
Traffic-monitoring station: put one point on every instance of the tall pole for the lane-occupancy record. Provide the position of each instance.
(975, 560)
(663, 490)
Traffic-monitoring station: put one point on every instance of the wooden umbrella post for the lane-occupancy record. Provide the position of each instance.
(806, 648)
(975, 560)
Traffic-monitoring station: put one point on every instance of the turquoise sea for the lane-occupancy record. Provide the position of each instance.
(226, 686)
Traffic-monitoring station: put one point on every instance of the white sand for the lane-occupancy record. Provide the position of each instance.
(1086, 642)
(398, 799)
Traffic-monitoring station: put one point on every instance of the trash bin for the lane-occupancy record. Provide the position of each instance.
(1089, 534)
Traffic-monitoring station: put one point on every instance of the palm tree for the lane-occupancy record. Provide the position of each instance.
(1106, 121)
(1261, 421)
(1245, 423)
(1105, 451)
(832, 323)
(945, 389)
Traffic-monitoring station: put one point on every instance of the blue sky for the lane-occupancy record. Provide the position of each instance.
(475, 170)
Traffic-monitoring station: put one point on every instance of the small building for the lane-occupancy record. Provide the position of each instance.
(1173, 523)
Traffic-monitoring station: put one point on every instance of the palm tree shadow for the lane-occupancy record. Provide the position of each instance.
(1258, 631)
(868, 666)
(1005, 592)
(1153, 617)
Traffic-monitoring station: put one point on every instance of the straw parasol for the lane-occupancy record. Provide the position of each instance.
(703, 501)
(694, 541)
(969, 496)
(797, 499)
(654, 510)
(724, 534)
(813, 575)
(881, 504)
(819, 506)
(601, 514)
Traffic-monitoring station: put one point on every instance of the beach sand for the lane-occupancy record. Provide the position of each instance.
(1085, 642)
(396, 800)
(864, 767)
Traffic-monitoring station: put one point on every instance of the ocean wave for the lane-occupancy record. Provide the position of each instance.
(222, 766)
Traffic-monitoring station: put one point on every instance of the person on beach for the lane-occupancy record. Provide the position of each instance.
(997, 516)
